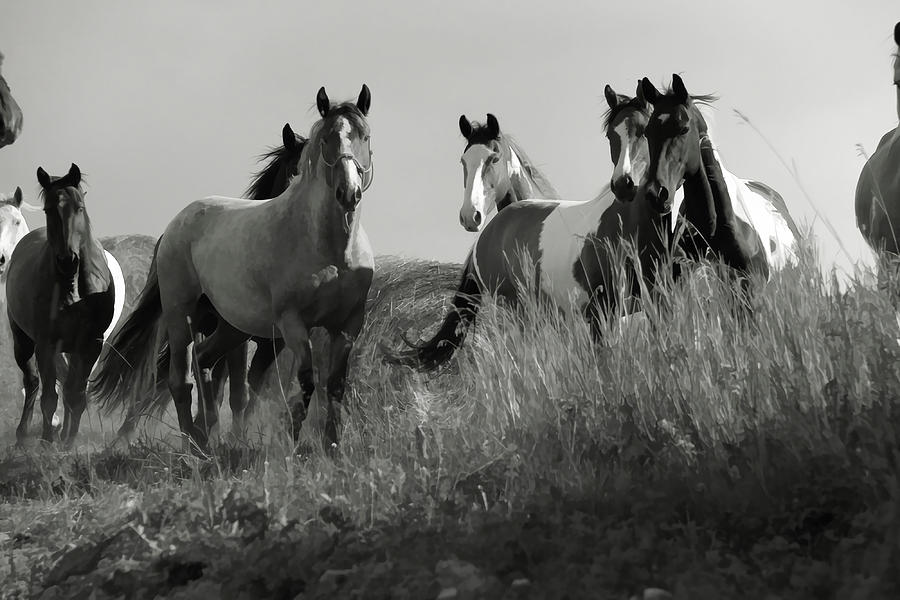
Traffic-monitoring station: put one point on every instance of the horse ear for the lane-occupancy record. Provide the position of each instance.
(287, 136)
(364, 101)
(651, 94)
(639, 93)
(465, 127)
(74, 175)
(611, 97)
(43, 178)
(17, 197)
(681, 93)
(897, 33)
(493, 125)
(322, 102)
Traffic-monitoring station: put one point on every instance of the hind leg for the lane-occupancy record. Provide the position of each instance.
(228, 343)
(23, 350)
(266, 353)
(237, 393)
(180, 386)
(215, 380)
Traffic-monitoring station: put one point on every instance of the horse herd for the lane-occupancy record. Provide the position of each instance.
(295, 256)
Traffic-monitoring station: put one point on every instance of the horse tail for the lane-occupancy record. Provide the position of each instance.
(430, 354)
(132, 357)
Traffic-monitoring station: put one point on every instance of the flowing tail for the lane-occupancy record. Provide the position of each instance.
(127, 369)
(429, 355)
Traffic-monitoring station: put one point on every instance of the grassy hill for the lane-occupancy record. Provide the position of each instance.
(707, 456)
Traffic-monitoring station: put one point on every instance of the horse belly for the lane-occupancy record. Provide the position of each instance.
(563, 237)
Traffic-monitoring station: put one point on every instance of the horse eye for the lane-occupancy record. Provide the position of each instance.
(495, 159)
(683, 130)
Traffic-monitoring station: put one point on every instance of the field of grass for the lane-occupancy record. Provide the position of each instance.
(703, 458)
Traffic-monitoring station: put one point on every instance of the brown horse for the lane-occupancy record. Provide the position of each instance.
(878, 188)
(64, 295)
(281, 165)
(10, 113)
(272, 269)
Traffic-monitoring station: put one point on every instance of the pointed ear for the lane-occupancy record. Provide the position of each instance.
(17, 197)
(681, 93)
(322, 102)
(43, 177)
(611, 97)
(465, 127)
(364, 101)
(287, 136)
(897, 33)
(639, 93)
(651, 94)
(74, 175)
(493, 125)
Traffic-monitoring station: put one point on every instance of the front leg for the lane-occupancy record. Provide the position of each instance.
(342, 340)
(74, 389)
(296, 337)
(46, 362)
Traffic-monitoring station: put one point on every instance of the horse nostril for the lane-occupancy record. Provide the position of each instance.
(478, 217)
(629, 182)
(663, 194)
(2, 260)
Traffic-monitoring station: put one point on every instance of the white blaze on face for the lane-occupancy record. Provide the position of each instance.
(478, 197)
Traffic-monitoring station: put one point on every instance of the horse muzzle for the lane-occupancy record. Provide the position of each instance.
(67, 265)
(659, 198)
(623, 188)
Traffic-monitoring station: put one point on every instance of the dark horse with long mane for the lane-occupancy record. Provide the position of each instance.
(725, 218)
(281, 165)
(878, 188)
(61, 297)
(273, 268)
(10, 113)
(574, 249)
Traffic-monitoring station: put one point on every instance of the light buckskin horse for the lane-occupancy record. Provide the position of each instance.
(10, 113)
(281, 165)
(745, 223)
(64, 295)
(496, 173)
(878, 188)
(271, 269)
(572, 246)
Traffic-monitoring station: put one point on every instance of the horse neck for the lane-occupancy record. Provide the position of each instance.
(521, 185)
(310, 204)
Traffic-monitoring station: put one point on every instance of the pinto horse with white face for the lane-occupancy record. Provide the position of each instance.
(64, 295)
(878, 188)
(745, 223)
(272, 269)
(573, 247)
(496, 173)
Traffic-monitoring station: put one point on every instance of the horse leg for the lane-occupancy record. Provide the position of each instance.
(215, 391)
(46, 363)
(237, 392)
(341, 345)
(296, 337)
(225, 341)
(23, 351)
(266, 353)
(180, 386)
(74, 389)
(62, 371)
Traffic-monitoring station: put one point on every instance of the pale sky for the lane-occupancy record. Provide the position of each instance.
(161, 103)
